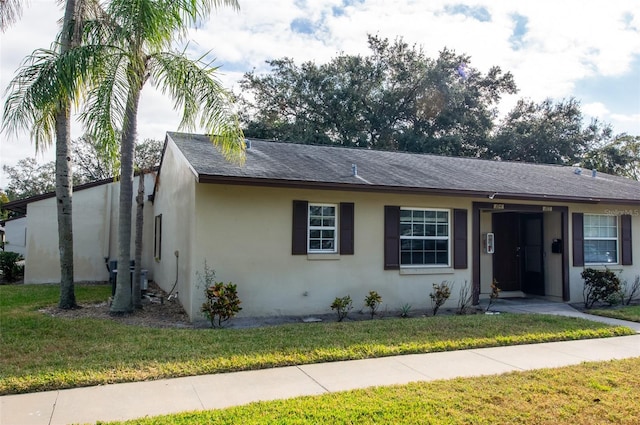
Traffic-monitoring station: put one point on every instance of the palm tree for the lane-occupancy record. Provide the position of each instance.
(40, 99)
(133, 45)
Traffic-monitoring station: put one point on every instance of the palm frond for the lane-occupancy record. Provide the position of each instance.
(201, 98)
(10, 12)
(44, 81)
(32, 95)
(104, 110)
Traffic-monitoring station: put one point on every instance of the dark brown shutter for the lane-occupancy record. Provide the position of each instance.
(391, 238)
(346, 228)
(577, 227)
(626, 245)
(460, 239)
(299, 235)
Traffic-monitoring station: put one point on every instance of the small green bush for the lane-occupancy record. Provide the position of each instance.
(10, 270)
(599, 285)
(342, 306)
(439, 295)
(222, 301)
(373, 301)
(405, 311)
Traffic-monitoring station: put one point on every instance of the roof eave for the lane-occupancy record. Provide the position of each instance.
(362, 187)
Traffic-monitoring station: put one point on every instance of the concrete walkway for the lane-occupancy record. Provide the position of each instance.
(140, 399)
(542, 306)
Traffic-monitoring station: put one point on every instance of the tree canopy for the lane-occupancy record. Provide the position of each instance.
(29, 178)
(394, 98)
(398, 98)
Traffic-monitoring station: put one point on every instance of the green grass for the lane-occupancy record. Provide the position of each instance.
(591, 393)
(631, 313)
(39, 352)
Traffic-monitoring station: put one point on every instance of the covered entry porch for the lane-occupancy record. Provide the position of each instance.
(522, 247)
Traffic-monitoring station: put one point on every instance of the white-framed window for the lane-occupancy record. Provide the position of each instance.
(424, 237)
(323, 225)
(600, 239)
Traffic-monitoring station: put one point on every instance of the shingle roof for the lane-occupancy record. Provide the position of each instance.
(288, 164)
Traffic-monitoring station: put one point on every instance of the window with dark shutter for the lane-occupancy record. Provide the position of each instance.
(391, 238)
(578, 239)
(460, 239)
(317, 227)
(346, 221)
(626, 242)
(300, 222)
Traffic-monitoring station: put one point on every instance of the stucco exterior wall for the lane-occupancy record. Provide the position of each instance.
(175, 202)
(552, 261)
(625, 272)
(245, 233)
(15, 236)
(95, 227)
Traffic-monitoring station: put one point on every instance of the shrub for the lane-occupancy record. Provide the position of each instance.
(373, 301)
(9, 267)
(599, 285)
(495, 293)
(405, 311)
(222, 301)
(342, 306)
(632, 290)
(439, 295)
(464, 299)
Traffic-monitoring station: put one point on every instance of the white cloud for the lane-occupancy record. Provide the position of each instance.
(565, 41)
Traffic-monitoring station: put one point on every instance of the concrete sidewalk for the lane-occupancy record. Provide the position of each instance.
(140, 399)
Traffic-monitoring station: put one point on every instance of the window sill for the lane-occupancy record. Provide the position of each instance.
(603, 266)
(320, 256)
(426, 270)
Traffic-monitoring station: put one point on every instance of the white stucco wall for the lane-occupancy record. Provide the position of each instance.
(95, 227)
(175, 200)
(15, 236)
(624, 272)
(245, 234)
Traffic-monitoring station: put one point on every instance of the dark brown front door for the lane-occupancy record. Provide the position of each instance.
(531, 253)
(506, 256)
(518, 262)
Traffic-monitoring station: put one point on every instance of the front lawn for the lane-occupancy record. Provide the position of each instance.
(39, 352)
(587, 394)
(631, 313)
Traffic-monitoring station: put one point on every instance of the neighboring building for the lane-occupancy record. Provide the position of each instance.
(15, 235)
(95, 231)
(298, 225)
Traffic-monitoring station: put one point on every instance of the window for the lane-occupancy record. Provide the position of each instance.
(157, 242)
(600, 239)
(322, 228)
(424, 237)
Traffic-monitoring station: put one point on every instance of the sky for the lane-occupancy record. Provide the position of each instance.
(589, 50)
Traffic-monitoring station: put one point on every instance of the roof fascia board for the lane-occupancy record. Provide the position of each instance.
(495, 197)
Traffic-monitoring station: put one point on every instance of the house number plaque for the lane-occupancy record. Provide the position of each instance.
(498, 206)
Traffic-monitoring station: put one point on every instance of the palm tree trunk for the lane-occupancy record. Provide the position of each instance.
(137, 294)
(122, 300)
(64, 181)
